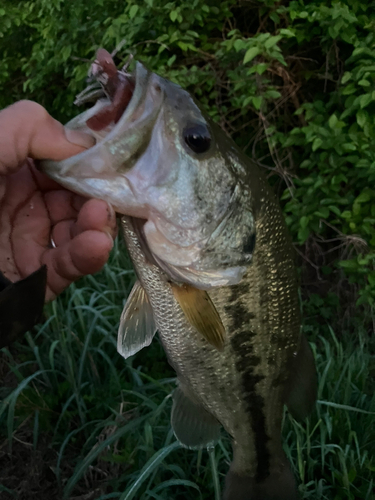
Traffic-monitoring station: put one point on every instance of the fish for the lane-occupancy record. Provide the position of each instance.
(212, 253)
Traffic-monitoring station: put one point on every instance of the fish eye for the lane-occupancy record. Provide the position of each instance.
(198, 138)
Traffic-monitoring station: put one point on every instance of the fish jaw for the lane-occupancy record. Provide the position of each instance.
(100, 171)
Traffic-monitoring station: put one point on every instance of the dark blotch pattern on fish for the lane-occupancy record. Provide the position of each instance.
(246, 362)
(240, 315)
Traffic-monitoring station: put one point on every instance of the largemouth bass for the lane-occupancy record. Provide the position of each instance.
(215, 271)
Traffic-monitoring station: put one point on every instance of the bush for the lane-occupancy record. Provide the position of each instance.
(292, 82)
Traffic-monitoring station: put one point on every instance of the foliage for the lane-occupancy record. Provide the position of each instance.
(294, 84)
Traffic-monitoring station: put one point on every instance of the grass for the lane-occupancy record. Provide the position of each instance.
(79, 422)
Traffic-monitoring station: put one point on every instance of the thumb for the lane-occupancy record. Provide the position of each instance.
(27, 130)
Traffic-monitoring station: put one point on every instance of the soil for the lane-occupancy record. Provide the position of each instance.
(29, 474)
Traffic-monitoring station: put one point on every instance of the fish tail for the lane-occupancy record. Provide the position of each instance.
(279, 485)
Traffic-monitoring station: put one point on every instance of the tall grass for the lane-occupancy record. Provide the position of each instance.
(107, 419)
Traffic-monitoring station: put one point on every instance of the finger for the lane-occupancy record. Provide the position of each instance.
(26, 129)
(45, 184)
(60, 205)
(98, 215)
(62, 232)
(85, 254)
(95, 215)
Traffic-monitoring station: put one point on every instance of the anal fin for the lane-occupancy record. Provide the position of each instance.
(201, 312)
(137, 326)
(193, 426)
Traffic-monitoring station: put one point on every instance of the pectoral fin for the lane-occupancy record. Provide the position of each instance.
(201, 313)
(193, 426)
(301, 389)
(137, 326)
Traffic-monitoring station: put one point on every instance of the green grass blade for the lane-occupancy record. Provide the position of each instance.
(345, 407)
(215, 475)
(177, 482)
(7, 490)
(93, 454)
(10, 404)
(148, 469)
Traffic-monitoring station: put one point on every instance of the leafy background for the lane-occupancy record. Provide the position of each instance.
(294, 84)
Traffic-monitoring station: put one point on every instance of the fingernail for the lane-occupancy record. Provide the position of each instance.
(79, 138)
(111, 213)
(110, 238)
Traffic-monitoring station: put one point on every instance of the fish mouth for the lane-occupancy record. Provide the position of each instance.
(123, 101)
(114, 102)
(121, 127)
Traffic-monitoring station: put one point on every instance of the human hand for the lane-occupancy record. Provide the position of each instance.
(34, 208)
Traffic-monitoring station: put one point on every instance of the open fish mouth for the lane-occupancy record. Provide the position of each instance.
(121, 122)
(117, 86)
(121, 100)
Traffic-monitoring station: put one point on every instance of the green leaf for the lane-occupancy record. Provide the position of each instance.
(317, 143)
(363, 198)
(65, 53)
(335, 210)
(173, 15)
(259, 68)
(133, 11)
(239, 45)
(287, 32)
(304, 221)
(346, 214)
(303, 234)
(250, 54)
(323, 213)
(365, 100)
(349, 264)
(361, 117)
(257, 101)
(332, 121)
(349, 147)
(171, 60)
(186, 46)
(273, 94)
(247, 101)
(364, 83)
(272, 41)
